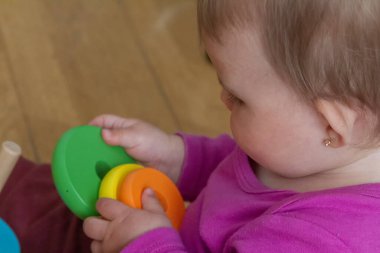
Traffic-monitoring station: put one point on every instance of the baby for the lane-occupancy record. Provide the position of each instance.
(301, 80)
(302, 172)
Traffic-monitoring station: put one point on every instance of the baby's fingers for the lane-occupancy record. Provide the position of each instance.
(150, 202)
(112, 121)
(95, 228)
(111, 209)
(119, 137)
(96, 247)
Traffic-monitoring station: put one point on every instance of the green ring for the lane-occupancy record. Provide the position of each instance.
(80, 160)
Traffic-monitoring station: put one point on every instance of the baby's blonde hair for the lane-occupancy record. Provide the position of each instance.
(326, 49)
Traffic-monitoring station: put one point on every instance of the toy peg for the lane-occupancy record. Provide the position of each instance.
(9, 154)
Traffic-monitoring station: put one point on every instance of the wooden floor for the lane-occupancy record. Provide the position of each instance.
(62, 62)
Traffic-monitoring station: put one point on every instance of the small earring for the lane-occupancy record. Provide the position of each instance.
(327, 142)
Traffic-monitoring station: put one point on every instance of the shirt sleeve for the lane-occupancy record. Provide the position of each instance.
(284, 234)
(202, 156)
(160, 240)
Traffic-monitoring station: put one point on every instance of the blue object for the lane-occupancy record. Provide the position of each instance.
(8, 239)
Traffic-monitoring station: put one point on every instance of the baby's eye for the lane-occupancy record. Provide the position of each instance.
(233, 99)
(230, 100)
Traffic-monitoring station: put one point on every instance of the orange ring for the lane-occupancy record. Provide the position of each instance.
(137, 181)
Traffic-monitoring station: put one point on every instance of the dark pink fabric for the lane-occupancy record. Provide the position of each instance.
(30, 204)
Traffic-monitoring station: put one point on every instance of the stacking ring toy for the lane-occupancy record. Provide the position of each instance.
(80, 161)
(8, 239)
(126, 183)
(82, 171)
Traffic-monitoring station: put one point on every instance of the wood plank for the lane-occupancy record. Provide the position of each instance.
(41, 84)
(98, 52)
(167, 33)
(73, 60)
(12, 124)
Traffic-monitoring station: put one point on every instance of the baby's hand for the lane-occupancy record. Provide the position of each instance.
(144, 142)
(121, 224)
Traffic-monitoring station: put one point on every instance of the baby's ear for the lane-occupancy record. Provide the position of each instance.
(340, 122)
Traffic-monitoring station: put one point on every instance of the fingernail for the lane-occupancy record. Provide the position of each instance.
(149, 192)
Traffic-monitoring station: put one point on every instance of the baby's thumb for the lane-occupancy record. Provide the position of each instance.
(150, 202)
(118, 137)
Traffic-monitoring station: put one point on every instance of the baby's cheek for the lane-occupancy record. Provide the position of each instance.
(260, 142)
(249, 139)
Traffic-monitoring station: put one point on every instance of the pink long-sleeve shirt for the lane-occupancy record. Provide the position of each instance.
(234, 212)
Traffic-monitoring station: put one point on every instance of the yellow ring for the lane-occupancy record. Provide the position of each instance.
(111, 183)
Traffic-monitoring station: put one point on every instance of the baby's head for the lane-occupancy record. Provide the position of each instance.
(301, 78)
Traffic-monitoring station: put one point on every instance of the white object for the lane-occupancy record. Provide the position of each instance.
(9, 154)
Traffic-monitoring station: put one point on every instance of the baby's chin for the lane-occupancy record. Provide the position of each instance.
(283, 170)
